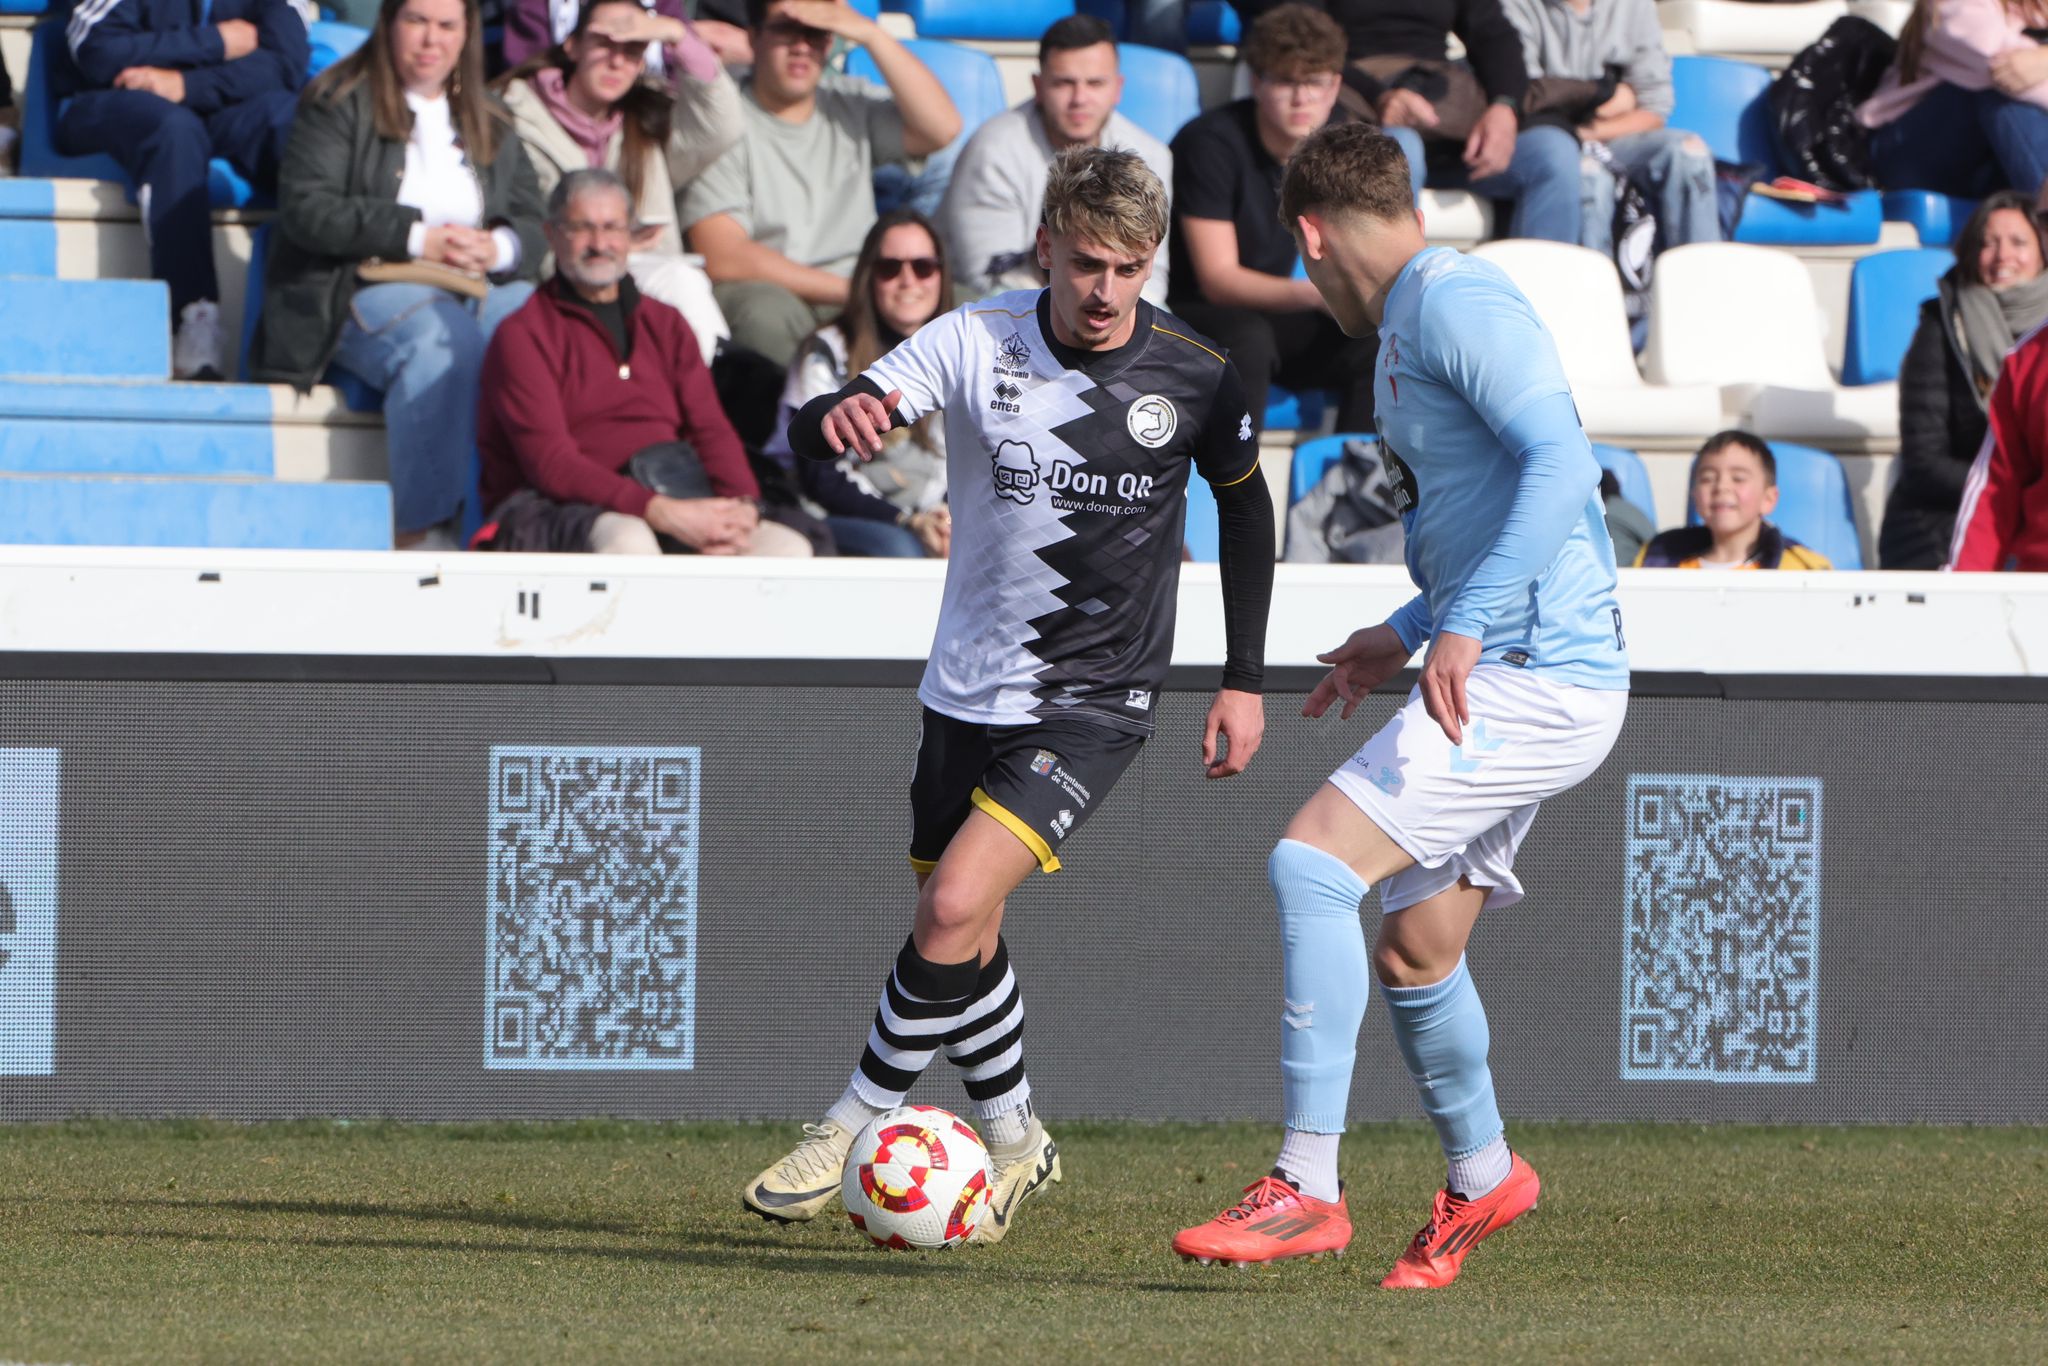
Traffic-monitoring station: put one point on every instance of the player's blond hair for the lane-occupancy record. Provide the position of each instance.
(1106, 196)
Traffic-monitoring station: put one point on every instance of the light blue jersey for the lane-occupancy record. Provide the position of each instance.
(1500, 491)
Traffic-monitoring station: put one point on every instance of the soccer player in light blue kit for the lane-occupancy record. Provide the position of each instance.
(1521, 697)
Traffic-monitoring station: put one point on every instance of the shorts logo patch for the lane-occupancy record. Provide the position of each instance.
(1151, 421)
(1140, 699)
(1387, 781)
(1062, 823)
(1044, 761)
(1017, 474)
(1478, 747)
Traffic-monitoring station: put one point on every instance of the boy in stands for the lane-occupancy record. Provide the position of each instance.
(1075, 415)
(1734, 491)
(1522, 695)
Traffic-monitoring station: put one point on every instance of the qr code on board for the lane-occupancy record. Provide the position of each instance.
(592, 958)
(1721, 960)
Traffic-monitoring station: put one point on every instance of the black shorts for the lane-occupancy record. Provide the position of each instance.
(1039, 780)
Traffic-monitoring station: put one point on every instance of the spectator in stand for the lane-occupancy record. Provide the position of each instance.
(1964, 109)
(990, 214)
(780, 217)
(534, 28)
(600, 429)
(164, 86)
(1574, 46)
(588, 103)
(404, 197)
(893, 504)
(2003, 520)
(1457, 121)
(1995, 294)
(1237, 280)
(1734, 491)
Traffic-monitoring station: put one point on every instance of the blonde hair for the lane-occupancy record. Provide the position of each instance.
(1106, 196)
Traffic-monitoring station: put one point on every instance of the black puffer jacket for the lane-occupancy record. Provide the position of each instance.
(1940, 429)
(337, 196)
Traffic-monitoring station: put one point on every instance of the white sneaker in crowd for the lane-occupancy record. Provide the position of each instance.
(196, 348)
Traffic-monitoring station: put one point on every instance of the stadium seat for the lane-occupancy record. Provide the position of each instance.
(1938, 218)
(1013, 20)
(1724, 102)
(1213, 23)
(1629, 471)
(1741, 28)
(43, 509)
(331, 41)
(1889, 15)
(1289, 411)
(1885, 293)
(1312, 459)
(1204, 534)
(1577, 294)
(28, 229)
(1814, 506)
(39, 156)
(1160, 90)
(970, 78)
(85, 329)
(1746, 318)
(23, 6)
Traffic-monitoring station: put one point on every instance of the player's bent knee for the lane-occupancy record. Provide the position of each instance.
(952, 909)
(1398, 965)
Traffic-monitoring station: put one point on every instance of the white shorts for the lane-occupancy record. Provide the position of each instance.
(1461, 810)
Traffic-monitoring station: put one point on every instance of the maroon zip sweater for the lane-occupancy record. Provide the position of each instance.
(560, 411)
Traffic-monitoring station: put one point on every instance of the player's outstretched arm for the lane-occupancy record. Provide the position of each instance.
(1369, 657)
(854, 418)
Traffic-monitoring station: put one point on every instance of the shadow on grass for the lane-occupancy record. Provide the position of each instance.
(484, 1216)
(708, 1250)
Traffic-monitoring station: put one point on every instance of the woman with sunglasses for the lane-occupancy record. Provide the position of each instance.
(588, 102)
(895, 504)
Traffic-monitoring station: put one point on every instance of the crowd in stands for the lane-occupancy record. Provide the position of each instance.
(614, 256)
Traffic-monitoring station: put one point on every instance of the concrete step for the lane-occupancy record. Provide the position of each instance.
(66, 426)
(214, 513)
(84, 329)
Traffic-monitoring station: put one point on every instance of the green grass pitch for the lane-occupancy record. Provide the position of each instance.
(601, 1241)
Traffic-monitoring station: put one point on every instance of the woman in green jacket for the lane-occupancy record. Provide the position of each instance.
(404, 196)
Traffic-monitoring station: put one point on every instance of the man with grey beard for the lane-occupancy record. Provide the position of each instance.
(598, 426)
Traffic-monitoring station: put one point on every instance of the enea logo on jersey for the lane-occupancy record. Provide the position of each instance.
(1151, 421)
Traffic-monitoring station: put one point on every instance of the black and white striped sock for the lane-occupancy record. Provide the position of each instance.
(987, 1044)
(921, 1003)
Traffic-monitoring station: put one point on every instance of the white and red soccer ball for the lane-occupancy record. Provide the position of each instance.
(916, 1177)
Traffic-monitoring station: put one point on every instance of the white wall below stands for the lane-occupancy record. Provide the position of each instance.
(308, 603)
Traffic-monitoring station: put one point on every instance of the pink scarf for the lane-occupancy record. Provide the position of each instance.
(594, 136)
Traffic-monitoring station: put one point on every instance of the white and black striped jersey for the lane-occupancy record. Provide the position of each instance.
(1068, 478)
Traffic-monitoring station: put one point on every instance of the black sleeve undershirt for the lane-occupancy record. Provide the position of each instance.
(1244, 515)
(807, 427)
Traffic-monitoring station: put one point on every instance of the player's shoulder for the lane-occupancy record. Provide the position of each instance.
(1184, 345)
(1463, 301)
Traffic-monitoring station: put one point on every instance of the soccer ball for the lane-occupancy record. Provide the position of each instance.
(916, 1177)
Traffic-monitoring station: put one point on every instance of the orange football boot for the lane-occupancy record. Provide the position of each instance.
(1456, 1226)
(1274, 1221)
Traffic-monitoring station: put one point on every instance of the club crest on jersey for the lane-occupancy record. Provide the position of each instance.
(1017, 474)
(1151, 421)
(1006, 398)
(1013, 356)
(1042, 764)
(1392, 350)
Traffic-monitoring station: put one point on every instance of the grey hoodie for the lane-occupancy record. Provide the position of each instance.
(1560, 42)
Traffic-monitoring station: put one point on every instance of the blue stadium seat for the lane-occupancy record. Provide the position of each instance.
(1288, 411)
(1213, 22)
(871, 8)
(970, 78)
(44, 509)
(1724, 102)
(1938, 218)
(1886, 290)
(1312, 459)
(331, 41)
(1814, 507)
(39, 156)
(28, 228)
(1160, 90)
(23, 6)
(1629, 472)
(1204, 534)
(159, 430)
(85, 329)
(1013, 20)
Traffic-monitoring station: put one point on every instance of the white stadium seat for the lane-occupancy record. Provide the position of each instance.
(1737, 28)
(1889, 15)
(1746, 318)
(1577, 293)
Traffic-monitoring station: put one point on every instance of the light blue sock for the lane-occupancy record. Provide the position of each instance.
(1326, 980)
(1441, 1029)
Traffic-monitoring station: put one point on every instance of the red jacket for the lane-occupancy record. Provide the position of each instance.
(559, 410)
(2003, 520)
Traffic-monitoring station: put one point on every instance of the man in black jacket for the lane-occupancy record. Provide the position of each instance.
(1457, 122)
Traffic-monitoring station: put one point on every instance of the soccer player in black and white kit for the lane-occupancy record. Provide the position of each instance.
(1075, 415)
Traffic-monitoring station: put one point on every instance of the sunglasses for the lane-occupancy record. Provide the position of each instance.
(889, 267)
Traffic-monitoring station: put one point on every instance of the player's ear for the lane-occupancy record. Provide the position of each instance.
(1310, 234)
(1044, 247)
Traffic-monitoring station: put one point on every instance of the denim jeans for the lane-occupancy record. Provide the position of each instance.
(424, 347)
(1679, 185)
(1542, 179)
(1965, 143)
(874, 539)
